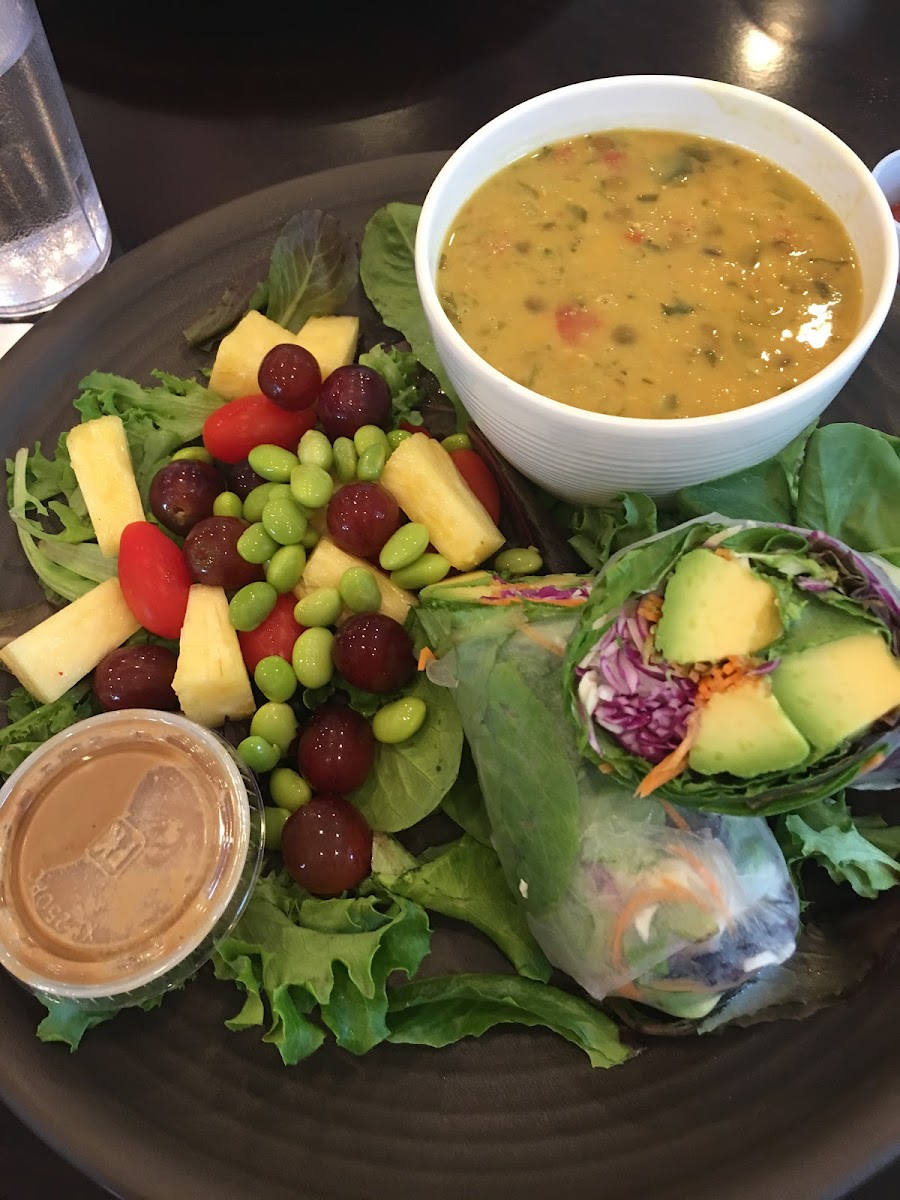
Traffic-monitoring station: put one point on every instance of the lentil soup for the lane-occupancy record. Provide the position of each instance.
(644, 273)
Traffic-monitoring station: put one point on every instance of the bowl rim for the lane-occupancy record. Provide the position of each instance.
(682, 426)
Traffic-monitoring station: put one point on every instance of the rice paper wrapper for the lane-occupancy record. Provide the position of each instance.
(817, 564)
(627, 896)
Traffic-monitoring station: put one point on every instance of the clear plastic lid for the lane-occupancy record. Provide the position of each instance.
(124, 845)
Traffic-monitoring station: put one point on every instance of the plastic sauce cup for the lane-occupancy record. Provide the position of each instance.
(129, 845)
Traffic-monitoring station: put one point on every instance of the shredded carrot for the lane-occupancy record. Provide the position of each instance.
(670, 894)
(674, 762)
(674, 815)
(871, 763)
(709, 880)
(723, 553)
(650, 607)
(505, 601)
(721, 676)
(627, 991)
(426, 655)
(556, 648)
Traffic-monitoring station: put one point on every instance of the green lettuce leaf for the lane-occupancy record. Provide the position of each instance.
(388, 275)
(157, 419)
(439, 1011)
(766, 492)
(409, 779)
(402, 372)
(295, 954)
(31, 723)
(464, 880)
(67, 1021)
(598, 532)
(464, 803)
(826, 832)
(849, 485)
(312, 271)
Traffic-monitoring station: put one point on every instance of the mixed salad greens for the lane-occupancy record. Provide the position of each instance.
(549, 700)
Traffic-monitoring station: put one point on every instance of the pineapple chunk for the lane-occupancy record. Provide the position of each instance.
(330, 340)
(425, 483)
(240, 353)
(327, 564)
(211, 681)
(101, 461)
(52, 656)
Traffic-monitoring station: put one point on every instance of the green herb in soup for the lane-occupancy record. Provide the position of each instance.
(644, 273)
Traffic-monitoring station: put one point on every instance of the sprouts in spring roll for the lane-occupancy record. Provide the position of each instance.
(629, 896)
(739, 667)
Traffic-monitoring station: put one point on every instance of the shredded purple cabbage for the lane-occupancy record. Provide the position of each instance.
(635, 695)
(813, 585)
(536, 592)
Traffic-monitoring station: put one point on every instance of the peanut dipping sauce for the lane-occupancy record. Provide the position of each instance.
(119, 849)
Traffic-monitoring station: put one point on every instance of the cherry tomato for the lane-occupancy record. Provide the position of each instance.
(574, 323)
(231, 432)
(154, 578)
(276, 635)
(410, 428)
(480, 478)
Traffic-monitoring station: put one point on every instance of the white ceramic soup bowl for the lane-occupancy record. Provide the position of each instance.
(586, 456)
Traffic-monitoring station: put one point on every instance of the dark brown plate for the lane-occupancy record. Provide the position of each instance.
(170, 1105)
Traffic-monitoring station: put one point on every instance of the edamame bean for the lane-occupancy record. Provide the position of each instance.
(289, 790)
(428, 568)
(258, 754)
(251, 605)
(359, 590)
(285, 568)
(272, 462)
(370, 435)
(275, 678)
(371, 463)
(275, 819)
(255, 546)
(396, 436)
(256, 501)
(284, 520)
(457, 441)
(310, 539)
(318, 608)
(193, 454)
(274, 722)
(315, 450)
(404, 547)
(518, 561)
(228, 504)
(312, 657)
(399, 720)
(311, 486)
(345, 459)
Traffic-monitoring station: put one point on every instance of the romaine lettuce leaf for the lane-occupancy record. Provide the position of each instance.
(464, 880)
(442, 1010)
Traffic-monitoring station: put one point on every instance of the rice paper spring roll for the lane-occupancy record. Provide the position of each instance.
(740, 667)
(628, 896)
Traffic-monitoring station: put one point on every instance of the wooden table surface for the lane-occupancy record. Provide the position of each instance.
(182, 107)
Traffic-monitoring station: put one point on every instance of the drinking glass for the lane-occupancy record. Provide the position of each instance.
(53, 231)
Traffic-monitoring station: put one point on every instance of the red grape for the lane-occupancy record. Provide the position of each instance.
(289, 376)
(212, 556)
(182, 493)
(351, 397)
(336, 750)
(327, 845)
(136, 677)
(242, 479)
(374, 652)
(361, 517)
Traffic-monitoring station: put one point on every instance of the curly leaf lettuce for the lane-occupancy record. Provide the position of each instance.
(297, 955)
(826, 832)
(32, 723)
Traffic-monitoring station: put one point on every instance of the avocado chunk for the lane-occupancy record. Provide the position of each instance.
(745, 732)
(714, 607)
(836, 691)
